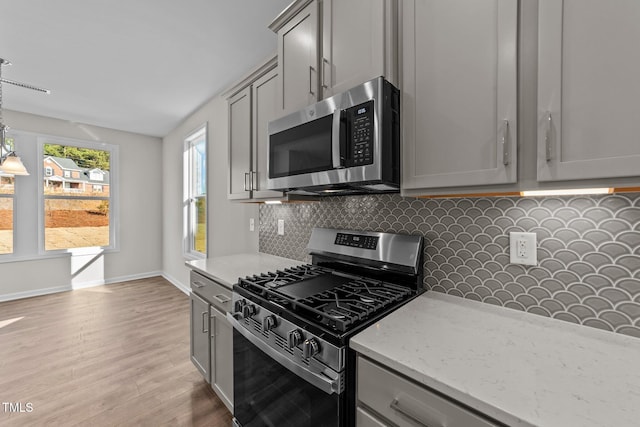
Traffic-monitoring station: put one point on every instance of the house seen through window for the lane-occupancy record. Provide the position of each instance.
(76, 186)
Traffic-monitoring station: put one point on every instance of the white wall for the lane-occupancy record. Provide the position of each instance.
(140, 233)
(228, 221)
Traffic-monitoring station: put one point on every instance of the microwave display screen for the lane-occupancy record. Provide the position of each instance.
(303, 149)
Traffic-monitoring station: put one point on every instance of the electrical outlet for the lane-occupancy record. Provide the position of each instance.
(281, 227)
(522, 248)
(252, 224)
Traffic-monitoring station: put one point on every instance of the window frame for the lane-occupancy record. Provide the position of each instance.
(112, 198)
(189, 210)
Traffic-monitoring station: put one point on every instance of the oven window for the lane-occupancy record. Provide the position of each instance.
(267, 394)
(303, 149)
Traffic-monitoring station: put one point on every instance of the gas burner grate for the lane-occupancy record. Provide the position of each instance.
(347, 303)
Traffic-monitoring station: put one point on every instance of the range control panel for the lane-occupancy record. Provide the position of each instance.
(361, 118)
(357, 241)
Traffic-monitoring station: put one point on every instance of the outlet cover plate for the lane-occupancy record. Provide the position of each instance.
(281, 227)
(523, 248)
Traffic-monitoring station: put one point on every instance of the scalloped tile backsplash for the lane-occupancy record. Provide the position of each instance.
(588, 268)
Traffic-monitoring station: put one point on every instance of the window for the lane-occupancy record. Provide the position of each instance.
(76, 213)
(195, 192)
(7, 191)
(48, 171)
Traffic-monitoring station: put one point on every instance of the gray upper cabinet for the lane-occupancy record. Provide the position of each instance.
(588, 89)
(240, 145)
(264, 96)
(250, 110)
(298, 61)
(459, 68)
(328, 46)
(358, 43)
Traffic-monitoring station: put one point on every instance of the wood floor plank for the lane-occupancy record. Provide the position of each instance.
(104, 356)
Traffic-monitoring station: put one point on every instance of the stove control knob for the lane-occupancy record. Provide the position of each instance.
(239, 305)
(310, 348)
(268, 323)
(248, 310)
(295, 338)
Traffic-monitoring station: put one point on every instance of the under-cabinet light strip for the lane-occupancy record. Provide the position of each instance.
(566, 192)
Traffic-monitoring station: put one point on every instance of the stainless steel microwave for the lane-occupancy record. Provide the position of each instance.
(346, 144)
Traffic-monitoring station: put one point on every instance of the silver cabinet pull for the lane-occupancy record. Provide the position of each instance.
(253, 183)
(547, 137)
(246, 187)
(505, 143)
(204, 322)
(213, 326)
(311, 70)
(395, 405)
(197, 284)
(222, 299)
(324, 73)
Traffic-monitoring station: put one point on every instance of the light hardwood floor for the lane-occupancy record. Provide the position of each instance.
(103, 356)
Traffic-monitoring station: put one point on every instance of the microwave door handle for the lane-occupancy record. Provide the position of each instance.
(339, 139)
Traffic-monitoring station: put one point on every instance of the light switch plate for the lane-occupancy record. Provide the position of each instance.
(523, 248)
(281, 227)
(252, 224)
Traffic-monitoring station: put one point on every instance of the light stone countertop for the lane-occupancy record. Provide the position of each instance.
(227, 269)
(518, 368)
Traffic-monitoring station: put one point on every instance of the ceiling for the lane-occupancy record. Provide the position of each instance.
(135, 65)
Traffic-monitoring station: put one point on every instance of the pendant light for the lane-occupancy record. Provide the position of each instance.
(10, 163)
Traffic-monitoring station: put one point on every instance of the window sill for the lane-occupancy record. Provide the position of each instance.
(9, 258)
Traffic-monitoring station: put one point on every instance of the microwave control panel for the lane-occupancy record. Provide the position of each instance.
(361, 147)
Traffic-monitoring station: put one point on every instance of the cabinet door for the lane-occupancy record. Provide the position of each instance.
(460, 95)
(588, 89)
(353, 54)
(200, 335)
(265, 102)
(222, 357)
(240, 145)
(298, 61)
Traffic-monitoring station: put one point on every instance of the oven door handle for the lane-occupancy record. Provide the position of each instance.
(322, 382)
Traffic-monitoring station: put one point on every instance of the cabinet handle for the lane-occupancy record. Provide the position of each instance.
(395, 405)
(547, 137)
(225, 299)
(311, 70)
(324, 73)
(204, 322)
(245, 186)
(197, 284)
(213, 326)
(253, 185)
(505, 143)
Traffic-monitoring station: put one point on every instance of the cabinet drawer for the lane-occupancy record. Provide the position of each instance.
(408, 404)
(214, 293)
(365, 419)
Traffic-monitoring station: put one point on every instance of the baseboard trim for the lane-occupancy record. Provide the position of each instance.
(175, 282)
(70, 287)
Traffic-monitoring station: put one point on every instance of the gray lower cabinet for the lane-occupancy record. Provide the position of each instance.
(387, 398)
(221, 349)
(212, 335)
(200, 334)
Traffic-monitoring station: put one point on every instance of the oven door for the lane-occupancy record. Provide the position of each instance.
(268, 394)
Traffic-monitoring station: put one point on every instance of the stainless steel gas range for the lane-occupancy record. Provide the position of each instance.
(292, 363)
